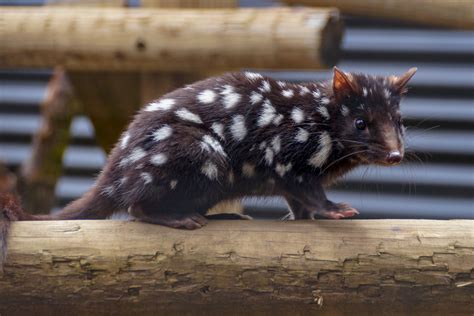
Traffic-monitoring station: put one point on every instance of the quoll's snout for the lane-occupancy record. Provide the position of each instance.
(394, 157)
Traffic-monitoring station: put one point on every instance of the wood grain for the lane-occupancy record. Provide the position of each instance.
(446, 13)
(149, 39)
(350, 267)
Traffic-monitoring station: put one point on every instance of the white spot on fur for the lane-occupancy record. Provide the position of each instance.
(364, 92)
(276, 144)
(248, 170)
(278, 119)
(324, 150)
(325, 101)
(162, 133)
(147, 178)
(386, 93)
(238, 128)
(269, 156)
(207, 96)
(262, 145)
(302, 135)
(161, 105)
(344, 110)
(297, 115)
(108, 190)
(281, 169)
(324, 112)
(135, 155)
(231, 177)
(218, 128)
(252, 76)
(159, 159)
(304, 90)
(255, 97)
(282, 84)
(288, 93)
(265, 86)
(230, 97)
(210, 170)
(209, 142)
(122, 181)
(299, 179)
(124, 141)
(173, 184)
(187, 115)
(267, 115)
(317, 94)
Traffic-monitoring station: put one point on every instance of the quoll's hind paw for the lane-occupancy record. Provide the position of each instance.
(339, 210)
(186, 221)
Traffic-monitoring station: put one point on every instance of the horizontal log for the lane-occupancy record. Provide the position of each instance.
(452, 13)
(150, 39)
(389, 267)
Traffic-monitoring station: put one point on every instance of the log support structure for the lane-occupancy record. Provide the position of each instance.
(350, 267)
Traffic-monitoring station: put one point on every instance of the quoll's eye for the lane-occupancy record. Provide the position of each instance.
(360, 124)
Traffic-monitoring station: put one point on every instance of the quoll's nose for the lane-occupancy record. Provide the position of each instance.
(394, 157)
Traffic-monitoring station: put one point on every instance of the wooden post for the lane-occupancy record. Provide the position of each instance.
(98, 39)
(452, 13)
(39, 174)
(347, 267)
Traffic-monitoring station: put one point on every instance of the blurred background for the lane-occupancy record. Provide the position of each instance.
(436, 180)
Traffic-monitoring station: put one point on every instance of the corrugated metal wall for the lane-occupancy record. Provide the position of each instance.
(439, 112)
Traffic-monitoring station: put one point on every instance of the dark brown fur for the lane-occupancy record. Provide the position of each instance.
(174, 180)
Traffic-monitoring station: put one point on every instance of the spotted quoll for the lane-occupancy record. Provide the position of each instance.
(244, 134)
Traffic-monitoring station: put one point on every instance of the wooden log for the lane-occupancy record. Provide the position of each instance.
(88, 39)
(350, 267)
(89, 3)
(189, 3)
(40, 172)
(452, 13)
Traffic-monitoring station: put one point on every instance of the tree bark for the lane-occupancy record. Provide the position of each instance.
(452, 13)
(87, 39)
(39, 174)
(350, 267)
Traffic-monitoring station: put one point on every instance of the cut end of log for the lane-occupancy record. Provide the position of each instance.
(330, 48)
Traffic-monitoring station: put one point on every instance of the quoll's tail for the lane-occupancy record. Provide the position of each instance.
(90, 206)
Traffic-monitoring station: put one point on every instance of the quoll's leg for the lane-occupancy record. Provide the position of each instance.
(174, 220)
(306, 204)
(298, 210)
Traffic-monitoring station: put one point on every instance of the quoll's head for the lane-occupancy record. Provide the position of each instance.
(369, 119)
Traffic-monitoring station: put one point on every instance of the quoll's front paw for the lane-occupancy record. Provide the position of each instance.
(338, 211)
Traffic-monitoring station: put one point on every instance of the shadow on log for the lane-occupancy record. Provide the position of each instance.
(383, 267)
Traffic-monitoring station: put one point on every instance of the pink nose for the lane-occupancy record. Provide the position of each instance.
(394, 157)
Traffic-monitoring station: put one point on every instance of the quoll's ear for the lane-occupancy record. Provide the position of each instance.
(343, 84)
(400, 83)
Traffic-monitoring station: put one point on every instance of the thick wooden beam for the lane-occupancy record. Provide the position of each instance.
(452, 13)
(88, 39)
(356, 267)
